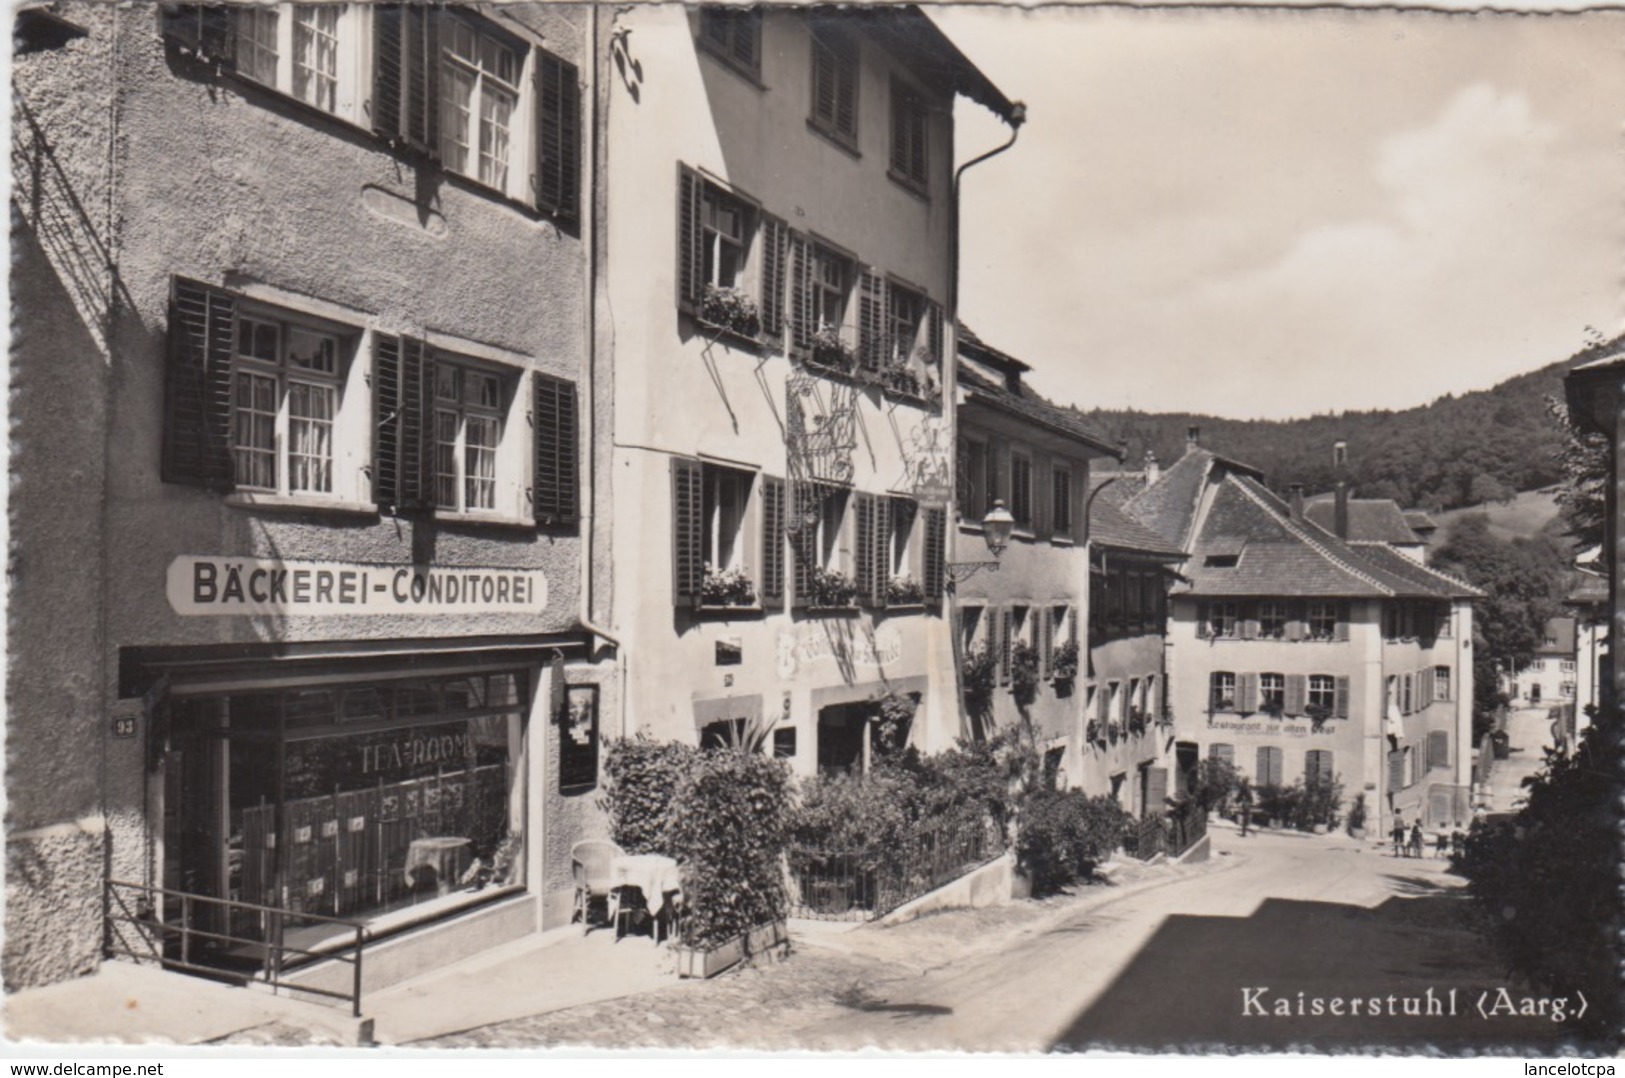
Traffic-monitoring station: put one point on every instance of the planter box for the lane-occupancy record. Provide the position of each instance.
(696, 963)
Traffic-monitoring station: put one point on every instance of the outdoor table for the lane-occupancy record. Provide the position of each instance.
(447, 855)
(653, 874)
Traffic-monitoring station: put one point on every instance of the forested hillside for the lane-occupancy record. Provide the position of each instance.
(1456, 451)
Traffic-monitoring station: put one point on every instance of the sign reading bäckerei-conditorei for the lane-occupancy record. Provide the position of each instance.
(202, 585)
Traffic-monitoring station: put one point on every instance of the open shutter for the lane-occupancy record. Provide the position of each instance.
(417, 426)
(934, 331)
(1248, 613)
(690, 240)
(864, 555)
(1002, 641)
(804, 539)
(771, 305)
(423, 78)
(687, 537)
(197, 400)
(1295, 618)
(1046, 639)
(1202, 632)
(1341, 632)
(1408, 695)
(1341, 707)
(1156, 790)
(387, 74)
(799, 265)
(933, 554)
(1296, 694)
(772, 583)
(882, 549)
(1263, 778)
(558, 139)
(1247, 693)
(386, 420)
(872, 351)
(555, 495)
(1396, 771)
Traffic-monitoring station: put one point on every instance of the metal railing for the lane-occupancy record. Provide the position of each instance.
(1171, 833)
(175, 944)
(862, 885)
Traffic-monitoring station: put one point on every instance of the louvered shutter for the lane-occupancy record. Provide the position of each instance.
(1438, 749)
(933, 554)
(555, 495)
(1269, 766)
(690, 239)
(774, 232)
(1341, 707)
(865, 547)
(417, 456)
(1247, 693)
(1396, 771)
(800, 269)
(197, 404)
(1317, 765)
(747, 29)
(846, 87)
(386, 419)
(387, 75)
(422, 40)
(1156, 790)
(872, 351)
(824, 76)
(1002, 623)
(807, 498)
(772, 541)
(1296, 694)
(1046, 639)
(882, 549)
(934, 331)
(558, 159)
(1407, 695)
(687, 531)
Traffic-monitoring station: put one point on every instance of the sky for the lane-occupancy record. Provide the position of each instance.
(1278, 213)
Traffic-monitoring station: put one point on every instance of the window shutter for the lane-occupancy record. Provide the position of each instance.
(882, 548)
(197, 396)
(800, 267)
(403, 454)
(690, 239)
(772, 541)
(872, 319)
(558, 163)
(824, 79)
(387, 76)
(1407, 694)
(746, 30)
(1046, 639)
(687, 534)
(934, 331)
(1396, 771)
(1221, 751)
(1269, 766)
(386, 419)
(1295, 618)
(1247, 693)
(555, 495)
(865, 548)
(934, 554)
(846, 87)
(1317, 764)
(1296, 694)
(774, 232)
(1341, 632)
(1341, 707)
(1156, 790)
(1438, 749)
(804, 539)
(423, 78)
(1248, 613)
(1202, 621)
(1003, 623)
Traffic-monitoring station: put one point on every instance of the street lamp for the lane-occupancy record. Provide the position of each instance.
(996, 528)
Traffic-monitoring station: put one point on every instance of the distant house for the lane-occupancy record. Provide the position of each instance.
(1551, 677)
(1369, 520)
(1596, 402)
(1296, 651)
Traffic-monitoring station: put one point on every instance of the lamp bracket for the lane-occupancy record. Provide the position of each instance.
(961, 571)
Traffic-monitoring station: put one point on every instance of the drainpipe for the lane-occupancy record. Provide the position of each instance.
(950, 389)
(589, 447)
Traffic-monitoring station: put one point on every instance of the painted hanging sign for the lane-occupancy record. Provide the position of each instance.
(209, 585)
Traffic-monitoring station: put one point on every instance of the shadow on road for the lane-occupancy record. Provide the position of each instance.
(1205, 983)
(859, 998)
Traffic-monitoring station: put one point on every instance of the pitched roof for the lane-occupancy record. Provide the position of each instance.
(1371, 520)
(1586, 588)
(1028, 405)
(1109, 526)
(1279, 556)
(1168, 506)
(1560, 631)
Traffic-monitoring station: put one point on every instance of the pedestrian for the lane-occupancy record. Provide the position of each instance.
(1399, 835)
(1246, 798)
(1416, 839)
(1441, 846)
(1458, 843)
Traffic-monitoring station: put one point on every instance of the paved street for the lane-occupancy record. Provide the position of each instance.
(1159, 961)
(1529, 733)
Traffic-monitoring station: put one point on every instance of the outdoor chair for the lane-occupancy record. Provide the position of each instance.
(589, 863)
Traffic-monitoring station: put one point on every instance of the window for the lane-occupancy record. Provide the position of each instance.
(468, 419)
(1567, 666)
(724, 500)
(1222, 752)
(970, 622)
(910, 163)
(1322, 693)
(1021, 490)
(1272, 619)
(1438, 749)
(715, 231)
(724, 238)
(1538, 665)
(1061, 500)
(257, 44)
(904, 512)
(975, 492)
(1322, 620)
(734, 36)
(1222, 695)
(1269, 766)
(1222, 619)
(1441, 683)
(835, 84)
(905, 310)
(831, 519)
(831, 283)
(1272, 693)
(479, 97)
(284, 405)
(1567, 689)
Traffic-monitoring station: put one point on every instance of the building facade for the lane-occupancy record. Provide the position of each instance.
(1295, 653)
(773, 288)
(300, 521)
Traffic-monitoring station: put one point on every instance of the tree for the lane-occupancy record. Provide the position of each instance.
(1582, 458)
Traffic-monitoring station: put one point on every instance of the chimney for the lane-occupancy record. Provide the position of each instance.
(1193, 438)
(1340, 454)
(1122, 450)
(1340, 520)
(1297, 501)
(1152, 471)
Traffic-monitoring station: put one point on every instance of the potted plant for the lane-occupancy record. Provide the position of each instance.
(1357, 818)
(1023, 672)
(829, 350)
(1317, 714)
(904, 591)
(1095, 731)
(1114, 730)
(731, 309)
(1136, 721)
(1063, 663)
(899, 377)
(730, 587)
(977, 673)
(833, 589)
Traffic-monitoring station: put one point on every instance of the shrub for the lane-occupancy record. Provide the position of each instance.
(1065, 834)
(1357, 813)
(896, 715)
(1023, 672)
(729, 826)
(1278, 803)
(1315, 800)
(1218, 783)
(642, 781)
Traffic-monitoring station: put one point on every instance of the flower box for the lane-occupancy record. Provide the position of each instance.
(731, 310)
(694, 962)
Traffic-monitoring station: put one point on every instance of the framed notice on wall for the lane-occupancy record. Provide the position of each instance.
(578, 738)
